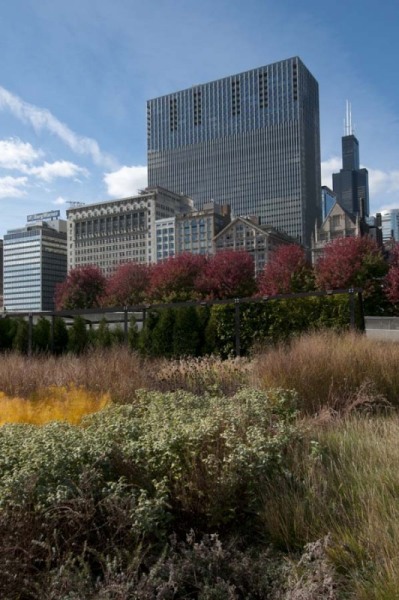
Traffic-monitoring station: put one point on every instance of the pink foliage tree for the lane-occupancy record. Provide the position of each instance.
(287, 272)
(84, 287)
(128, 285)
(391, 285)
(227, 274)
(173, 280)
(351, 262)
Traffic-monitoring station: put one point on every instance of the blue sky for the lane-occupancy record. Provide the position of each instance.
(75, 76)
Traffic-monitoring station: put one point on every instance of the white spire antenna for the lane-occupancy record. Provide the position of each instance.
(350, 119)
(348, 129)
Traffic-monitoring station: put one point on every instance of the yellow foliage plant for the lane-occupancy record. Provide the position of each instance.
(54, 403)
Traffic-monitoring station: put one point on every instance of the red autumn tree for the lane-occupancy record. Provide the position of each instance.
(287, 272)
(391, 283)
(227, 274)
(173, 280)
(128, 285)
(351, 262)
(84, 287)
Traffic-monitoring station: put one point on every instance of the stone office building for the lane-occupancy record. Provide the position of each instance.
(116, 231)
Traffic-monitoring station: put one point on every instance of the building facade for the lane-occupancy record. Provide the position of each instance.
(339, 223)
(35, 261)
(165, 232)
(246, 233)
(195, 231)
(390, 225)
(250, 140)
(113, 232)
(328, 199)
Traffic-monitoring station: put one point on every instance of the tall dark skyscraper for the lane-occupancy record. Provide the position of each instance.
(250, 140)
(351, 184)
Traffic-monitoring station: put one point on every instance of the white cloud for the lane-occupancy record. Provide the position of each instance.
(126, 181)
(328, 167)
(12, 187)
(15, 154)
(60, 168)
(383, 182)
(60, 201)
(42, 119)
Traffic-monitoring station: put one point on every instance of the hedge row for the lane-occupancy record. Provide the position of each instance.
(186, 330)
(190, 331)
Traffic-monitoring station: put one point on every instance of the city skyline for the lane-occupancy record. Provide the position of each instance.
(74, 87)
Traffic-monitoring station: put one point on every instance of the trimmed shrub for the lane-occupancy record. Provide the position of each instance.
(78, 336)
(21, 338)
(8, 328)
(186, 332)
(60, 342)
(145, 337)
(162, 336)
(41, 336)
(133, 334)
(102, 335)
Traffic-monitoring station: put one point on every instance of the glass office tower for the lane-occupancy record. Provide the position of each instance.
(390, 225)
(250, 140)
(35, 260)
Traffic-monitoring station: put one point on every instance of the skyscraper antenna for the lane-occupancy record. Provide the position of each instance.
(348, 129)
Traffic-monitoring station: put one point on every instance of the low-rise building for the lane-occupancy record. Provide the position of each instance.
(338, 223)
(245, 233)
(195, 231)
(328, 199)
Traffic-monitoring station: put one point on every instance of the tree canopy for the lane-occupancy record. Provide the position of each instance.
(84, 287)
(227, 274)
(287, 272)
(128, 285)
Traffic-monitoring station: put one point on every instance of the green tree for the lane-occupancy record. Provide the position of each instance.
(78, 336)
(186, 332)
(102, 337)
(60, 339)
(117, 336)
(41, 335)
(145, 337)
(162, 334)
(8, 329)
(21, 338)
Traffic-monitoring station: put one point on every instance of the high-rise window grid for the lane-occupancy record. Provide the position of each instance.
(250, 140)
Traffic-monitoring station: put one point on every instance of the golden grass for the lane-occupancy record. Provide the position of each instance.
(331, 369)
(68, 404)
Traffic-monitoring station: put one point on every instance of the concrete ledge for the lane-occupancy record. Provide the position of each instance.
(382, 328)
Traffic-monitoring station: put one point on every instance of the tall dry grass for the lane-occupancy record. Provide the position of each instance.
(334, 370)
(119, 373)
(346, 483)
(199, 375)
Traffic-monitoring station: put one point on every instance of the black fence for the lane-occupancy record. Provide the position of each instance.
(122, 315)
